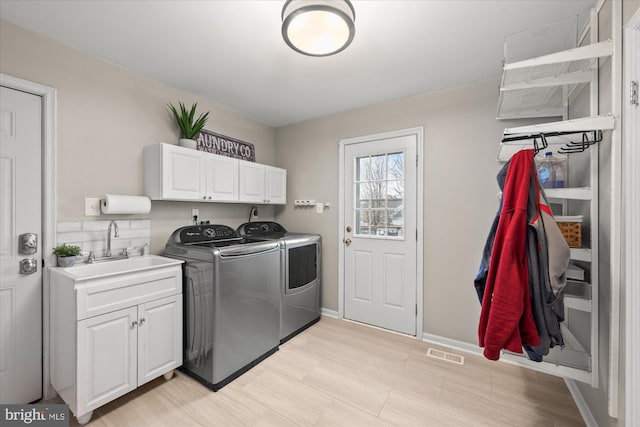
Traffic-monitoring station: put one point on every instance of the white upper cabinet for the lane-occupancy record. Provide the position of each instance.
(262, 183)
(221, 183)
(252, 182)
(276, 185)
(172, 172)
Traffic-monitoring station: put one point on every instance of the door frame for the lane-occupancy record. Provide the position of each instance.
(631, 248)
(418, 132)
(49, 187)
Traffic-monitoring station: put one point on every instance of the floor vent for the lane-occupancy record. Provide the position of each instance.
(447, 357)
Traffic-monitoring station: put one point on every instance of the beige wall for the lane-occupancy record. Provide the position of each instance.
(461, 139)
(106, 115)
(629, 7)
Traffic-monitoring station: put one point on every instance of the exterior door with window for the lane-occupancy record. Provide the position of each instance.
(380, 233)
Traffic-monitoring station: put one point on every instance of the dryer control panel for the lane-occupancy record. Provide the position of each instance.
(260, 227)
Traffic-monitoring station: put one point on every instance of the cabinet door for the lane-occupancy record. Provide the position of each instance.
(159, 337)
(183, 174)
(222, 178)
(276, 185)
(107, 358)
(252, 182)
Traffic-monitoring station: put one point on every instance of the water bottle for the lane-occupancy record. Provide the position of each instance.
(545, 171)
(559, 172)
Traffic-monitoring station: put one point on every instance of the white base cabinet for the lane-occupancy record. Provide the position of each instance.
(112, 334)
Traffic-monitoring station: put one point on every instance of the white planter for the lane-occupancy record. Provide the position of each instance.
(66, 261)
(188, 143)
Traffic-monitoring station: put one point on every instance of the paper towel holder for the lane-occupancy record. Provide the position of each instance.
(125, 205)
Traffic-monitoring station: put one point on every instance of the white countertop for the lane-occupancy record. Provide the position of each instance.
(111, 268)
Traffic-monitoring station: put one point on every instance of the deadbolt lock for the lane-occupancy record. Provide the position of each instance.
(349, 229)
(28, 244)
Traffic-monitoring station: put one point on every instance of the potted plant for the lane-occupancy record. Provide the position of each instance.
(189, 125)
(66, 254)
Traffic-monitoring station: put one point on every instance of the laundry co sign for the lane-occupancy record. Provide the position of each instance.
(215, 143)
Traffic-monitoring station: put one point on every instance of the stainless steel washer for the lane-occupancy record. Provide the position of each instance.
(231, 301)
(301, 272)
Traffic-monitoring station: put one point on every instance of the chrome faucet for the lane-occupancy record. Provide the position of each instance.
(115, 226)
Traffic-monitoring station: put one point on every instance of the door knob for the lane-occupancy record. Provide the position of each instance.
(347, 242)
(28, 266)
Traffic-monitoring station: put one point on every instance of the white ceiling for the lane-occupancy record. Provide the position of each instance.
(232, 52)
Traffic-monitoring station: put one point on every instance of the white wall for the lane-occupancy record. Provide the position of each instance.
(106, 115)
(461, 139)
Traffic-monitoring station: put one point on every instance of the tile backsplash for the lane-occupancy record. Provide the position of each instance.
(92, 236)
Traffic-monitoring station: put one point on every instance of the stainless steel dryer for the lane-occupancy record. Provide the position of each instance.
(231, 290)
(301, 273)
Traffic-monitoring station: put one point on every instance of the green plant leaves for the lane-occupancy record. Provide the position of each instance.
(65, 250)
(185, 119)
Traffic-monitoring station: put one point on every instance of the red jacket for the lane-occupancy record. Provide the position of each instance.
(506, 319)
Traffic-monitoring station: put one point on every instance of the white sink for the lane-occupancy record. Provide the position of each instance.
(110, 268)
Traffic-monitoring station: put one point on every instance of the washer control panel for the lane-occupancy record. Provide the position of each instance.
(206, 233)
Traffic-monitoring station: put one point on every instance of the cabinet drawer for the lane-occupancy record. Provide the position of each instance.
(110, 294)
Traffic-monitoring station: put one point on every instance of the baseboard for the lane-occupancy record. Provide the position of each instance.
(329, 313)
(583, 408)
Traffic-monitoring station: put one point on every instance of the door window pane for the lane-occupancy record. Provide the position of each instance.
(362, 222)
(379, 195)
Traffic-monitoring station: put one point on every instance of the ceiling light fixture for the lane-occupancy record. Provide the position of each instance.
(318, 27)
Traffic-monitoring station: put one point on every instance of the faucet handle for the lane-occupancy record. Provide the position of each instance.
(125, 252)
(91, 257)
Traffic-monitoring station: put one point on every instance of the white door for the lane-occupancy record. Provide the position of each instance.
(183, 173)
(159, 337)
(20, 213)
(380, 233)
(107, 358)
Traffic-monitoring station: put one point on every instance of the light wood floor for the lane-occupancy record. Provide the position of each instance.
(340, 373)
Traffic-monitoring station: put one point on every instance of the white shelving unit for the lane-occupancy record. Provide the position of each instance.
(542, 87)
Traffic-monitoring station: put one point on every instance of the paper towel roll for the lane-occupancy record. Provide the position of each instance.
(114, 204)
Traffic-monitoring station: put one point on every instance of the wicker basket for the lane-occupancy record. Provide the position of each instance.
(572, 232)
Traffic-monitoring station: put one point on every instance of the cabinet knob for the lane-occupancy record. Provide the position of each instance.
(142, 321)
(204, 197)
(209, 197)
(134, 324)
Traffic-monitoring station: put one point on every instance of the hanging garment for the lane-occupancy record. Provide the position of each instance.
(481, 278)
(548, 257)
(506, 318)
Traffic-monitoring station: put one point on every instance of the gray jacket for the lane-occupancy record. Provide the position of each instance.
(548, 258)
